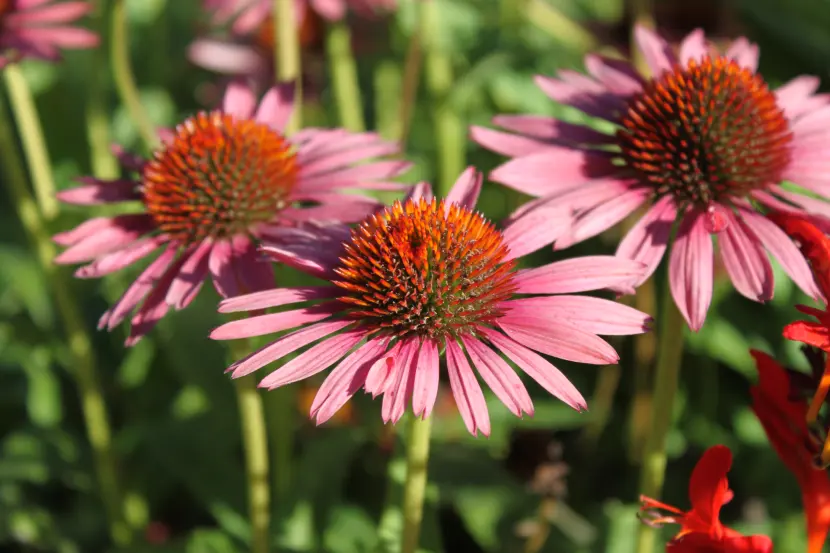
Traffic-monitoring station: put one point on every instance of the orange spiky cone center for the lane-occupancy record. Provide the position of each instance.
(706, 133)
(219, 176)
(420, 269)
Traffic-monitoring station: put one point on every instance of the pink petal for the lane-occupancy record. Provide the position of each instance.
(100, 192)
(342, 212)
(119, 231)
(745, 260)
(276, 106)
(377, 379)
(691, 269)
(332, 10)
(693, 47)
(312, 248)
(656, 51)
(282, 347)
(548, 131)
(239, 100)
(252, 270)
(220, 264)
(227, 58)
(507, 144)
(422, 190)
(504, 382)
(565, 342)
(647, 240)
(593, 315)
(744, 53)
(466, 189)
(260, 325)
(540, 370)
(116, 261)
(791, 95)
(466, 391)
(601, 217)
(582, 93)
(554, 170)
(345, 157)
(190, 277)
(65, 12)
(352, 177)
(154, 307)
(579, 274)
(616, 75)
(535, 229)
(314, 360)
(401, 382)
(425, 388)
(277, 298)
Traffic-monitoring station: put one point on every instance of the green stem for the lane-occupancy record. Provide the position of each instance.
(281, 406)
(450, 132)
(78, 340)
(255, 442)
(287, 56)
(31, 135)
(104, 164)
(344, 76)
(415, 485)
(411, 78)
(667, 375)
(123, 75)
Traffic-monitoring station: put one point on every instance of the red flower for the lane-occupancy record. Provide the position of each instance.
(784, 421)
(700, 528)
(815, 246)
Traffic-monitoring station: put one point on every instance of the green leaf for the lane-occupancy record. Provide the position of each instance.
(211, 541)
(43, 398)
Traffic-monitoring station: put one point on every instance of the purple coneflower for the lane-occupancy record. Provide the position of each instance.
(221, 181)
(39, 28)
(704, 141)
(427, 279)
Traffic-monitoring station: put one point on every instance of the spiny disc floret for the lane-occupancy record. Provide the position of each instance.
(706, 133)
(217, 177)
(425, 269)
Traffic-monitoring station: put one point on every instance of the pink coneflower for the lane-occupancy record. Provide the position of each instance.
(704, 141)
(427, 279)
(39, 28)
(221, 181)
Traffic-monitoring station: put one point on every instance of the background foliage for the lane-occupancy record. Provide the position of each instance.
(174, 410)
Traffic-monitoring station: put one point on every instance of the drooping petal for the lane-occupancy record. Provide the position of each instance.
(691, 271)
(189, 278)
(498, 375)
(467, 391)
(425, 388)
(122, 258)
(96, 191)
(401, 383)
(565, 342)
(647, 240)
(745, 260)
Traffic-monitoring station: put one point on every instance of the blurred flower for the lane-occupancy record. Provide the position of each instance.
(701, 530)
(784, 421)
(220, 181)
(703, 142)
(422, 280)
(38, 28)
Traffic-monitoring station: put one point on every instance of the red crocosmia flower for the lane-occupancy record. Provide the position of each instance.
(700, 528)
(784, 421)
(815, 246)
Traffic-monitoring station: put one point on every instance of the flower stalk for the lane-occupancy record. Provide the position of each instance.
(344, 76)
(287, 56)
(104, 164)
(414, 488)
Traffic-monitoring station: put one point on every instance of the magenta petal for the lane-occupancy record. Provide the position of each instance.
(745, 260)
(284, 346)
(579, 274)
(466, 391)
(220, 264)
(466, 189)
(312, 248)
(276, 298)
(401, 381)
(239, 100)
(539, 369)
(252, 270)
(691, 269)
(582, 93)
(377, 379)
(314, 360)
(373, 147)
(498, 375)
(345, 380)
(116, 261)
(425, 388)
(154, 307)
(270, 323)
(190, 277)
(138, 289)
(602, 217)
(647, 240)
(656, 51)
(99, 192)
(565, 342)
(593, 315)
(88, 228)
(553, 170)
(118, 232)
(693, 47)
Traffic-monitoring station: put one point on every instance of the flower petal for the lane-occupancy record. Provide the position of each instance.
(745, 260)
(647, 240)
(691, 269)
(504, 382)
(466, 189)
(425, 388)
(467, 391)
(579, 274)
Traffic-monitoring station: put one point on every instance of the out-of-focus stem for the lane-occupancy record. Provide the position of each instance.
(450, 133)
(411, 78)
(123, 74)
(31, 135)
(415, 485)
(343, 70)
(287, 56)
(91, 394)
(104, 164)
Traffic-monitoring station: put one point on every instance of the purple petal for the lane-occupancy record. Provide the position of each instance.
(466, 391)
(691, 269)
(745, 260)
(582, 93)
(504, 382)
(579, 274)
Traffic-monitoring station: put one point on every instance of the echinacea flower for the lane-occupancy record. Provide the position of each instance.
(701, 530)
(221, 181)
(39, 28)
(703, 141)
(423, 280)
(784, 422)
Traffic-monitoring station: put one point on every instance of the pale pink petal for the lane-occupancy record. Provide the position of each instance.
(116, 261)
(535, 229)
(345, 380)
(332, 10)
(745, 260)
(344, 158)
(227, 58)
(314, 360)
(64, 37)
(276, 106)
(377, 379)
(792, 95)
(88, 228)
(594, 315)
(277, 297)
(270, 323)
(401, 381)
(507, 144)
(565, 342)
(100, 192)
(466, 391)
(579, 274)
(285, 345)
(190, 277)
(554, 170)
(616, 75)
(353, 176)
(602, 217)
(656, 51)
(65, 12)
(647, 240)
(121, 231)
(540, 370)
(694, 47)
(498, 375)
(422, 190)
(466, 189)
(425, 388)
(691, 269)
(342, 212)
(745, 53)
(239, 100)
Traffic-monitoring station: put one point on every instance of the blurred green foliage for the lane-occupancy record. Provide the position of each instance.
(174, 410)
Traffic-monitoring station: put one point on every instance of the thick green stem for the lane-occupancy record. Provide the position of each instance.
(31, 135)
(281, 414)
(667, 375)
(287, 56)
(255, 442)
(450, 132)
(414, 488)
(343, 69)
(104, 164)
(123, 75)
(78, 340)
